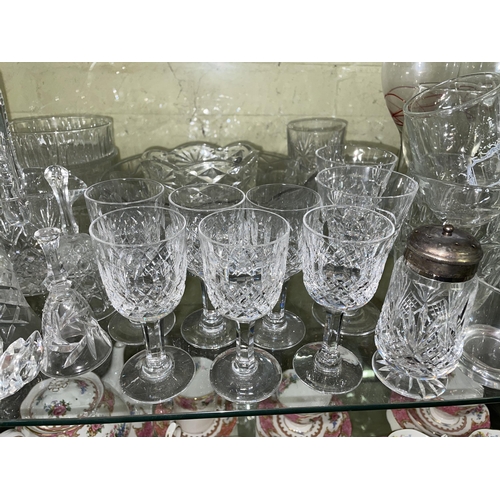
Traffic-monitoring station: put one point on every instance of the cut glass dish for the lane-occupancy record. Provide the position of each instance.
(174, 168)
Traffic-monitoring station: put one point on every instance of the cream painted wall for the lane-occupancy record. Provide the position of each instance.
(167, 104)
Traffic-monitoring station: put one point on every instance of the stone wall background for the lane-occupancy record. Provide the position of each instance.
(167, 104)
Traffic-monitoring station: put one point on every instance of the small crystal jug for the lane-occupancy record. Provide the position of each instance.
(420, 331)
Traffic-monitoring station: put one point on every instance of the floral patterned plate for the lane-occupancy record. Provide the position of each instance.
(59, 398)
(439, 421)
(111, 404)
(336, 424)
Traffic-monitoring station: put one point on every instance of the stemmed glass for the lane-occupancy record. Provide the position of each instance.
(377, 188)
(354, 154)
(110, 195)
(204, 328)
(142, 259)
(344, 252)
(281, 329)
(244, 254)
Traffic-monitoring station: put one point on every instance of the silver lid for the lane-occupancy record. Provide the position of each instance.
(443, 253)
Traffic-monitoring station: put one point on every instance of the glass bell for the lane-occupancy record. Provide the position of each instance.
(75, 249)
(420, 332)
(74, 341)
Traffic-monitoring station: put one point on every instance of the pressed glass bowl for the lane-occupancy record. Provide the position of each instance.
(174, 168)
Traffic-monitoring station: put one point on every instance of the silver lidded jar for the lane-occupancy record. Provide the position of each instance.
(420, 332)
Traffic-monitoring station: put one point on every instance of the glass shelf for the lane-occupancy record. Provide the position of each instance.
(370, 395)
(367, 405)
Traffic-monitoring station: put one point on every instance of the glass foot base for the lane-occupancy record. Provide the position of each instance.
(193, 333)
(55, 362)
(139, 387)
(404, 384)
(120, 329)
(343, 380)
(362, 321)
(245, 388)
(290, 334)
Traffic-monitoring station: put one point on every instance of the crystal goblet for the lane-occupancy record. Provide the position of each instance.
(281, 328)
(244, 264)
(112, 194)
(354, 154)
(142, 258)
(344, 252)
(376, 188)
(204, 328)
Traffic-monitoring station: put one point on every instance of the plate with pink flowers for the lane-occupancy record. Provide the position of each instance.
(62, 398)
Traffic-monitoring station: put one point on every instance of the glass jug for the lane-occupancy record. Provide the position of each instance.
(451, 144)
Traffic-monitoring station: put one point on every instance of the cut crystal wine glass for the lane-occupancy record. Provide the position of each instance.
(204, 328)
(355, 154)
(376, 188)
(344, 252)
(244, 254)
(110, 195)
(281, 328)
(142, 258)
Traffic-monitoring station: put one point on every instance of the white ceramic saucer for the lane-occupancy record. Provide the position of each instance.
(485, 433)
(220, 427)
(407, 433)
(336, 424)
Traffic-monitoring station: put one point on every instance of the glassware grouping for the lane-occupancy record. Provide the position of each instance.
(335, 218)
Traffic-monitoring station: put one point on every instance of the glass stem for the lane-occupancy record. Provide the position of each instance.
(328, 357)
(210, 319)
(158, 363)
(48, 238)
(58, 179)
(276, 318)
(245, 362)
